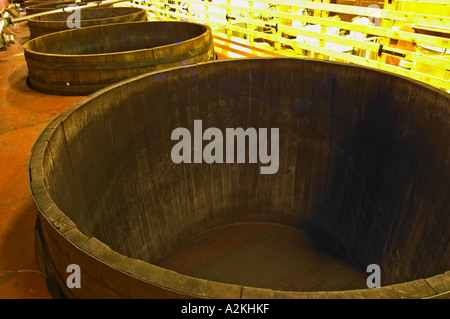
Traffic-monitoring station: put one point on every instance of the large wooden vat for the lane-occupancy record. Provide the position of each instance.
(364, 169)
(82, 61)
(89, 17)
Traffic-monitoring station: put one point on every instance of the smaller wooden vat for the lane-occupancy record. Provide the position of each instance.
(29, 3)
(82, 61)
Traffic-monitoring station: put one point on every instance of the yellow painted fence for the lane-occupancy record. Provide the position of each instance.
(410, 38)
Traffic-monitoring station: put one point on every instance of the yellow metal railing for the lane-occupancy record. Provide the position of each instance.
(367, 40)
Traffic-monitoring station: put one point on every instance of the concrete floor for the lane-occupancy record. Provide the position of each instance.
(24, 113)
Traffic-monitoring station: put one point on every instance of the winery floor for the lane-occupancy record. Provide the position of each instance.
(24, 113)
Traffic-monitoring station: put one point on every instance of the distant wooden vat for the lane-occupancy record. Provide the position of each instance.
(56, 22)
(82, 61)
(38, 6)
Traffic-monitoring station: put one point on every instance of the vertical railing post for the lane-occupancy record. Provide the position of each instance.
(207, 10)
(387, 24)
(229, 20)
(177, 10)
(251, 38)
(278, 32)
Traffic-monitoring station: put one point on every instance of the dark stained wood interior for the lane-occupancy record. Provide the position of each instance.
(264, 255)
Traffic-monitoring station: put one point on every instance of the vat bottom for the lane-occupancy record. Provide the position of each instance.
(263, 255)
